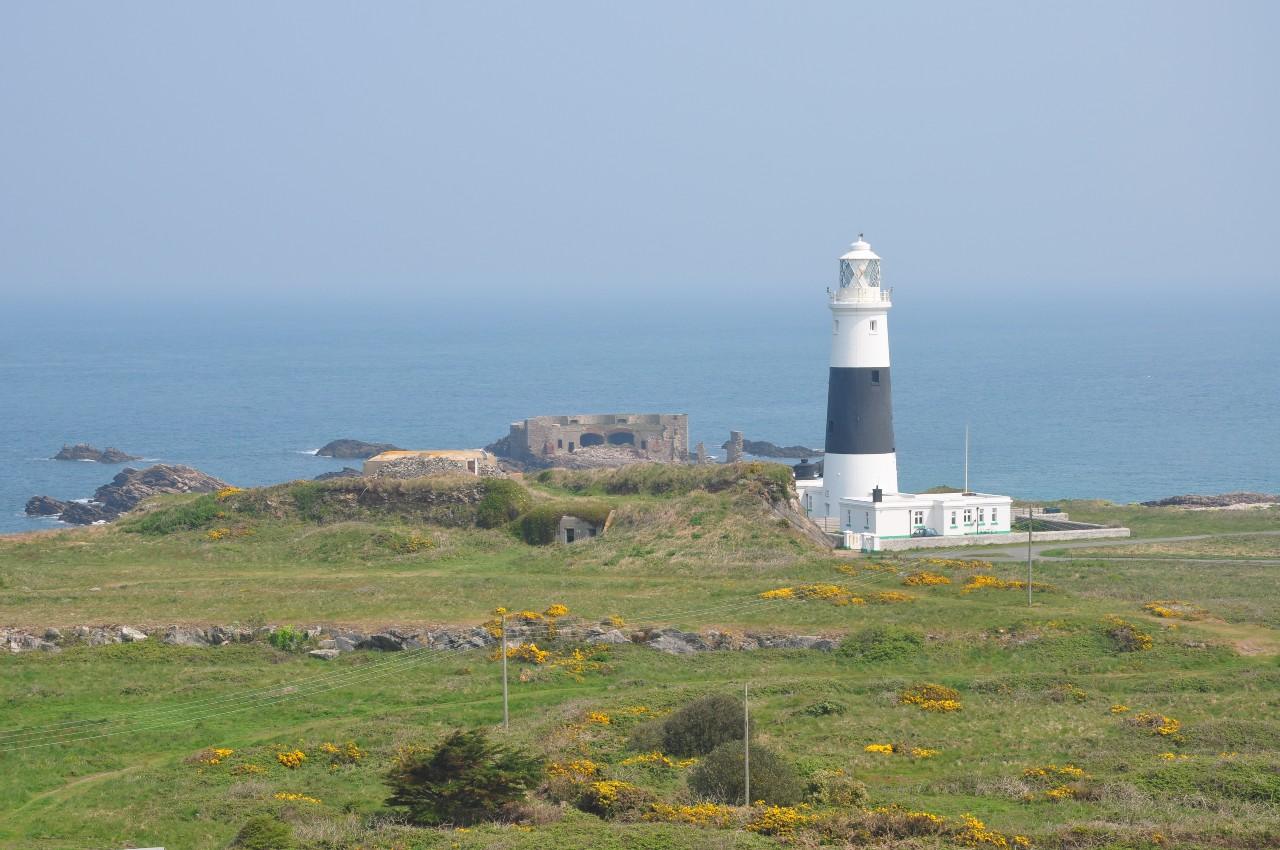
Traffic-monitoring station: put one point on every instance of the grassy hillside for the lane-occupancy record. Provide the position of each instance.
(1038, 748)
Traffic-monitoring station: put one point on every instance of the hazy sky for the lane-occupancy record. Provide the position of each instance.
(633, 153)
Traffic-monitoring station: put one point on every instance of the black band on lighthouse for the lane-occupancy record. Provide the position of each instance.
(859, 411)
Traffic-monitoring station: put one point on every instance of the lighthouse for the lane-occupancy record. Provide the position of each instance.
(857, 497)
(860, 455)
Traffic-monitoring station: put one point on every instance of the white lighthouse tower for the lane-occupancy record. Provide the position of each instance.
(860, 456)
(857, 493)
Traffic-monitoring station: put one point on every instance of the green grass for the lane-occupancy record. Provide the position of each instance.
(672, 549)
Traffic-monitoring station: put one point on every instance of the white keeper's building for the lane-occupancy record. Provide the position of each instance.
(857, 491)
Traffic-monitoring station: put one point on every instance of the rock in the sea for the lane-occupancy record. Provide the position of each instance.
(129, 488)
(345, 472)
(44, 506)
(764, 448)
(84, 451)
(357, 449)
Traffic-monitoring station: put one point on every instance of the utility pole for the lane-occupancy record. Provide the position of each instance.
(966, 457)
(746, 748)
(506, 712)
(1030, 525)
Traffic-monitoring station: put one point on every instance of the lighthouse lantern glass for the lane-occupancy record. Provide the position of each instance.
(859, 273)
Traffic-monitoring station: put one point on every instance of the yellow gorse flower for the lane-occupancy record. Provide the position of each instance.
(292, 797)
(925, 578)
(882, 749)
(931, 697)
(291, 759)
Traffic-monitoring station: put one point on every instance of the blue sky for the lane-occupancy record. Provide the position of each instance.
(633, 154)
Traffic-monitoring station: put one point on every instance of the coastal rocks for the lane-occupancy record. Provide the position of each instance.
(1224, 500)
(357, 449)
(44, 506)
(84, 451)
(764, 448)
(345, 472)
(127, 490)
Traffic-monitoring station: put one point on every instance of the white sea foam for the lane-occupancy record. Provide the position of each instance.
(311, 452)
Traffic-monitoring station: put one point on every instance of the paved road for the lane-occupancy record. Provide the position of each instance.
(1018, 551)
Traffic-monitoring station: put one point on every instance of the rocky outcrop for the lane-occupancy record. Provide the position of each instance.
(84, 451)
(129, 488)
(44, 506)
(327, 642)
(1224, 500)
(345, 472)
(354, 449)
(764, 448)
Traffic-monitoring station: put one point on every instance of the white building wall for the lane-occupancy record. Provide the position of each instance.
(854, 342)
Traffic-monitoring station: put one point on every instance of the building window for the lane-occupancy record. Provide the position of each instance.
(874, 328)
(968, 516)
(875, 376)
(918, 518)
(866, 519)
(993, 516)
(835, 326)
(953, 519)
(981, 515)
(644, 445)
(560, 444)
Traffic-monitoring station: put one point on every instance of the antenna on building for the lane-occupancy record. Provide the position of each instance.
(966, 457)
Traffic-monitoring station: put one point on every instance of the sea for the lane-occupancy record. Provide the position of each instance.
(1124, 397)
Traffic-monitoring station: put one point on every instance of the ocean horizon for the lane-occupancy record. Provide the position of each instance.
(1125, 398)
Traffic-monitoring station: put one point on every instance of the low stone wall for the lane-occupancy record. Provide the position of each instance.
(328, 642)
(998, 539)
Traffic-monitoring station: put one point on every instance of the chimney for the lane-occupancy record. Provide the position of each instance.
(877, 495)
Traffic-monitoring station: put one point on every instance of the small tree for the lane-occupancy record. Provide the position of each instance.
(466, 779)
(702, 725)
(719, 776)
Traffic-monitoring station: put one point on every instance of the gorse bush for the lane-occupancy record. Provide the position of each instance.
(882, 643)
(287, 638)
(464, 780)
(702, 725)
(720, 776)
(503, 501)
(185, 516)
(265, 832)
(666, 479)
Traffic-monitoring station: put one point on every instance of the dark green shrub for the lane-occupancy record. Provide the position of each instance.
(465, 780)
(265, 832)
(720, 776)
(648, 737)
(503, 501)
(702, 725)
(882, 643)
(287, 638)
(185, 516)
(825, 708)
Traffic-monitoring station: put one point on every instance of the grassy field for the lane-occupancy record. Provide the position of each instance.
(1037, 685)
(1237, 546)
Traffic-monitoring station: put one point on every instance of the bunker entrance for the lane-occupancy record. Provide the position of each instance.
(622, 438)
(590, 439)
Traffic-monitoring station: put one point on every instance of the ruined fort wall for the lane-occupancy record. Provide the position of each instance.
(657, 436)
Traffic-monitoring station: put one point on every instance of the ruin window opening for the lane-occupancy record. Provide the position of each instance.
(622, 438)
(589, 439)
